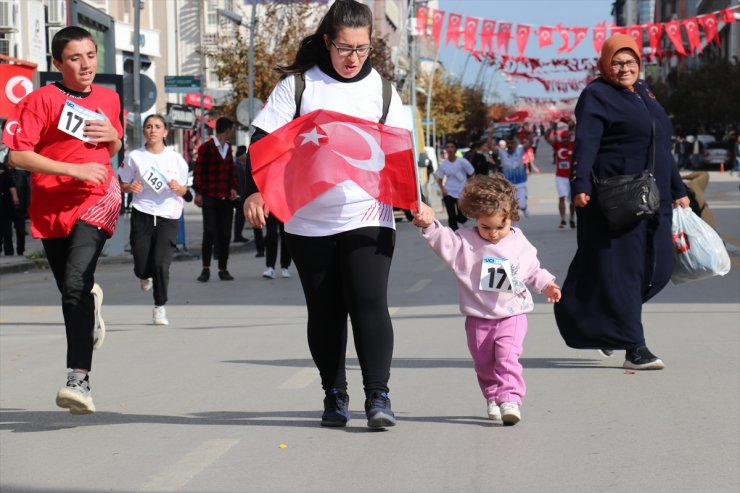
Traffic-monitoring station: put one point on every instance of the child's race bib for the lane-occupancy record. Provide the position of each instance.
(495, 275)
(73, 119)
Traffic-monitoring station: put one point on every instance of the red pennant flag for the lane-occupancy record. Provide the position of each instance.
(565, 35)
(655, 30)
(438, 18)
(504, 35)
(673, 30)
(516, 117)
(709, 23)
(580, 34)
(522, 38)
(545, 36)
(422, 17)
(321, 149)
(692, 29)
(486, 35)
(599, 36)
(727, 15)
(618, 29)
(471, 28)
(635, 32)
(453, 29)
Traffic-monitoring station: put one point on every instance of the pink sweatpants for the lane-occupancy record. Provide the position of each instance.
(496, 346)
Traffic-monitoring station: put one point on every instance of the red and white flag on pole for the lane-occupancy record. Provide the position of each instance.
(673, 30)
(599, 36)
(422, 17)
(471, 29)
(438, 17)
(709, 23)
(728, 15)
(692, 29)
(635, 32)
(453, 29)
(580, 35)
(565, 35)
(486, 35)
(503, 37)
(655, 30)
(522, 38)
(321, 149)
(544, 36)
(516, 117)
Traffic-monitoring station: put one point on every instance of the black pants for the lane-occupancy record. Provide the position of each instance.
(73, 260)
(347, 274)
(217, 216)
(153, 240)
(454, 216)
(275, 230)
(239, 219)
(259, 240)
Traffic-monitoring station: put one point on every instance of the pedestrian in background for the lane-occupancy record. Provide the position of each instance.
(214, 182)
(614, 273)
(451, 176)
(342, 242)
(157, 178)
(76, 198)
(563, 154)
(9, 204)
(493, 262)
(274, 236)
(514, 170)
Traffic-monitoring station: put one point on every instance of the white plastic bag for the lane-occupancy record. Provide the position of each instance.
(699, 251)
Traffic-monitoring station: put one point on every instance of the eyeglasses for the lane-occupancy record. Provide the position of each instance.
(346, 51)
(627, 63)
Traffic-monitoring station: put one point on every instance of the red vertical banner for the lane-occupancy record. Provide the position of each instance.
(544, 36)
(471, 29)
(486, 35)
(453, 29)
(580, 35)
(635, 32)
(709, 23)
(565, 35)
(522, 38)
(599, 36)
(692, 29)
(438, 18)
(504, 35)
(655, 30)
(673, 30)
(422, 18)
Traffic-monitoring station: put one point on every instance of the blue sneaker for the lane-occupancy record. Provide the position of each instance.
(378, 410)
(336, 408)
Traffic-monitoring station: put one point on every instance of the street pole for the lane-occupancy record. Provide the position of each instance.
(201, 26)
(412, 70)
(137, 74)
(429, 95)
(252, 26)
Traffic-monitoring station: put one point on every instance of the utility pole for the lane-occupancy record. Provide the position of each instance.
(202, 28)
(412, 71)
(252, 26)
(137, 74)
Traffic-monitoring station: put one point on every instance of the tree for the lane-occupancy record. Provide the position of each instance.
(448, 104)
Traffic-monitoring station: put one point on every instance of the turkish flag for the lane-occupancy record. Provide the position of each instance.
(516, 117)
(599, 36)
(422, 17)
(453, 29)
(692, 29)
(673, 30)
(504, 35)
(565, 35)
(321, 149)
(727, 15)
(544, 36)
(486, 35)
(709, 23)
(438, 18)
(471, 28)
(618, 30)
(635, 32)
(580, 35)
(16, 82)
(522, 38)
(655, 30)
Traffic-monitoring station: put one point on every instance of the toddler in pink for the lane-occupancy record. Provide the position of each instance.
(492, 262)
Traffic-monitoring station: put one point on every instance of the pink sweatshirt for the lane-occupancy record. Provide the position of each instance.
(491, 278)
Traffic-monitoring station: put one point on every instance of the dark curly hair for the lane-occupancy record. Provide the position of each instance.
(488, 195)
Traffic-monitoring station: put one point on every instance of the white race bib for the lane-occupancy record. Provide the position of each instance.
(155, 179)
(73, 119)
(495, 275)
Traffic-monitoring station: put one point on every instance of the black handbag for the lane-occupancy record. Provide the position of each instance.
(624, 200)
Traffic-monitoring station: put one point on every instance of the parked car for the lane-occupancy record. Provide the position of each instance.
(715, 154)
(706, 139)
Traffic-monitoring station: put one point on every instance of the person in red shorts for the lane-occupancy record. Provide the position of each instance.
(563, 152)
(65, 134)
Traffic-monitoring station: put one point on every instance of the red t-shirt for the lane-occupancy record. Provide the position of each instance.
(57, 202)
(563, 158)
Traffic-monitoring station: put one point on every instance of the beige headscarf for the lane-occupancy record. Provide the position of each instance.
(611, 47)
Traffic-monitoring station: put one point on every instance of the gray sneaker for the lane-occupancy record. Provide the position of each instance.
(99, 328)
(76, 395)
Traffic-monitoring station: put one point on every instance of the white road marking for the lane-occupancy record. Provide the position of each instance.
(393, 310)
(419, 286)
(178, 474)
(300, 379)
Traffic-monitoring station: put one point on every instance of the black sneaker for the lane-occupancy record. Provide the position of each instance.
(260, 254)
(642, 359)
(205, 274)
(378, 410)
(225, 276)
(336, 408)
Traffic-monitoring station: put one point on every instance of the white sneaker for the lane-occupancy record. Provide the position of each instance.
(76, 395)
(510, 413)
(159, 316)
(269, 273)
(99, 328)
(146, 284)
(494, 412)
(285, 273)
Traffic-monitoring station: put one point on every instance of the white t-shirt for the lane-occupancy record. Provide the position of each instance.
(346, 206)
(456, 174)
(154, 171)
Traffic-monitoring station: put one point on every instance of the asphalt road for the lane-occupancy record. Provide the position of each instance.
(226, 398)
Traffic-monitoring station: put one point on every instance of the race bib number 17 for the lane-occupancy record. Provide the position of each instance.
(495, 275)
(73, 119)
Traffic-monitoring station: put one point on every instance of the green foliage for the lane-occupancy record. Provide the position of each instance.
(448, 107)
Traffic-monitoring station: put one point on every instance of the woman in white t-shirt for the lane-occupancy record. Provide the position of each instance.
(341, 242)
(157, 176)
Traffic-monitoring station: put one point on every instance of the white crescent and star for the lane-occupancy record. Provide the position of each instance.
(11, 126)
(375, 162)
(313, 137)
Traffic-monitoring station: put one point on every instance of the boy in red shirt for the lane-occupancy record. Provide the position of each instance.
(65, 134)
(563, 152)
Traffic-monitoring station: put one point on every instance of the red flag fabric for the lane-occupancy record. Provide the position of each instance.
(599, 36)
(422, 18)
(673, 30)
(321, 149)
(635, 32)
(522, 38)
(453, 29)
(727, 15)
(655, 30)
(692, 29)
(504, 35)
(471, 29)
(709, 23)
(580, 35)
(486, 35)
(618, 29)
(438, 17)
(516, 117)
(565, 35)
(544, 36)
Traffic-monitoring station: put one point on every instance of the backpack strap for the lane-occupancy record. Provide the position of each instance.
(300, 86)
(387, 93)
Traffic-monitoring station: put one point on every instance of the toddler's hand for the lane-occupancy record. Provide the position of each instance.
(552, 291)
(425, 217)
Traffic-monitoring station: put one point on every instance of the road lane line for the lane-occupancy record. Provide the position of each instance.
(178, 474)
(300, 379)
(393, 310)
(419, 286)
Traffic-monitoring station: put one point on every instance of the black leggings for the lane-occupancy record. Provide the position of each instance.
(347, 274)
(152, 244)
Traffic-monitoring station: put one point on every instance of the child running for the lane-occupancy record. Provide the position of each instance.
(492, 262)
